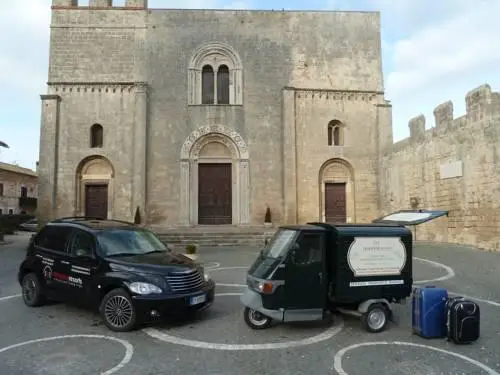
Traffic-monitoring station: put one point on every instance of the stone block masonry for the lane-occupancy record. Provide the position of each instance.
(453, 166)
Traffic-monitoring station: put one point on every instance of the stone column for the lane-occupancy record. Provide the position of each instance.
(289, 158)
(139, 177)
(184, 206)
(48, 158)
(136, 4)
(244, 187)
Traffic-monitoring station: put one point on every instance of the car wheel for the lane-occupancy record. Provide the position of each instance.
(32, 290)
(117, 311)
(376, 317)
(255, 319)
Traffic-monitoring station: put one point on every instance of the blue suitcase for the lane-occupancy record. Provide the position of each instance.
(429, 311)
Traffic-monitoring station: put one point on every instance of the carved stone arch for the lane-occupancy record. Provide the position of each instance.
(338, 170)
(198, 135)
(215, 54)
(94, 170)
(231, 149)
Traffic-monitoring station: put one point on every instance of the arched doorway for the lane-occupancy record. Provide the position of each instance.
(214, 180)
(337, 193)
(94, 187)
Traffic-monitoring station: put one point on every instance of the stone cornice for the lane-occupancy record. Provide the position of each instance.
(50, 97)
(97, 86)
(333, 91)
(335, 94)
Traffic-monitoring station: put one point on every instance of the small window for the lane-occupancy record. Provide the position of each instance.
(223, 85)
(11, 211)
(96, 136)
(335, 133)
(1, 211)
(207, 86)
(24, 191)
(1, 190)
(53, 238)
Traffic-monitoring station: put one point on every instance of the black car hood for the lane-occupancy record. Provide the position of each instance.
(154, 262)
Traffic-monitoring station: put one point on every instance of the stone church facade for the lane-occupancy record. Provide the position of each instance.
(208, 117)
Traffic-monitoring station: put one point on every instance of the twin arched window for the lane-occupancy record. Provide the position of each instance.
(96, 136)
(335, 133)
(215, 85)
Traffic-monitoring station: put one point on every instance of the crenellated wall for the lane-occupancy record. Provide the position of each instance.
(453, 166)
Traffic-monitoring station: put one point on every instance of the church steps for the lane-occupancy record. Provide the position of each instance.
(213, 237)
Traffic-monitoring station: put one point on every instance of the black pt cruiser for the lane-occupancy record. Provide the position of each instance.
(121, 269)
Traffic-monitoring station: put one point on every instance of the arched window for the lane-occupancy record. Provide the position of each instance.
(96, 136)
(207, 85)
(215, 76)
(223, 85)
(335, 133)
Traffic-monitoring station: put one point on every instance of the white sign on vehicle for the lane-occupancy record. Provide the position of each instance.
(376, 256)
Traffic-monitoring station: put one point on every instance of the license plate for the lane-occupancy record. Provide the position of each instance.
(197, 299)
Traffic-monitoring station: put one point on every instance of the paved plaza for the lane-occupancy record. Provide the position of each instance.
(59, 339)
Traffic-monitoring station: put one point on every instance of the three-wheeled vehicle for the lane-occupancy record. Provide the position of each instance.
(306, 271)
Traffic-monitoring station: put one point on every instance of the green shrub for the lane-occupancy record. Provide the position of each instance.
(137, 217)
(191, 249)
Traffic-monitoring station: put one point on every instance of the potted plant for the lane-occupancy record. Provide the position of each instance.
(191, 251)
(267, 219)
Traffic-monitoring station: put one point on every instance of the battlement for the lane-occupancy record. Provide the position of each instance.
(100, 4)
(480, 103)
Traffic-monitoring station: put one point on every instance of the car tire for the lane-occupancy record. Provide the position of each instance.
(256, 320)
(117, 311)
(32, 290)
(376, 318)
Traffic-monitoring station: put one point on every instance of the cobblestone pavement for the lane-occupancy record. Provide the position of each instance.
(219, 343)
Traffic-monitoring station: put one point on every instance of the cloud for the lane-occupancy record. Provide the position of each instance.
(458, 47)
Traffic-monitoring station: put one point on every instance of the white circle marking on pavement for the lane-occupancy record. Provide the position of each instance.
(449, 271)
(10, 297)
(211, 265)
(229, 268)
(129, 349)
(329, 333)
(337, 361)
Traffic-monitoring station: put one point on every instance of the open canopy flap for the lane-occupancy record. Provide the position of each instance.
(410, 217)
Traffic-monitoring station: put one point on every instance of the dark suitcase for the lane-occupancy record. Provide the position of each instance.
(429, 312)
(462, 320)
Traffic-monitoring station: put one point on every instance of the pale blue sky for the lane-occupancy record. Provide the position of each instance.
(433, 51)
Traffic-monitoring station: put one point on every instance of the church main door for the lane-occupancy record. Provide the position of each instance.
(96, 201)
(335, 202)
(214, 193)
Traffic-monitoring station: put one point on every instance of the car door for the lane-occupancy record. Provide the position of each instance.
(51, 248)
(81, 264)
(305, 289)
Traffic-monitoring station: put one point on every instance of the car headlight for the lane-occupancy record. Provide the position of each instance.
(144, 288)
(206, 276)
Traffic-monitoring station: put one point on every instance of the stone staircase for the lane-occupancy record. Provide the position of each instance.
(214, 236)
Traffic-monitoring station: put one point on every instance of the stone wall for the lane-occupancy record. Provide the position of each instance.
(453, 166)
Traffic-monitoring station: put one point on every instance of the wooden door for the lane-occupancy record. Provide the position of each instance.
(96, 201)
(335, 203)
(214, 194)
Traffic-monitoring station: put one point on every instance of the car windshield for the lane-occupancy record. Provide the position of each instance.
(129, 242)
(279, 244)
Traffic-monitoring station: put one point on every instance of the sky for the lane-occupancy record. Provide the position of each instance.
(433, 51)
